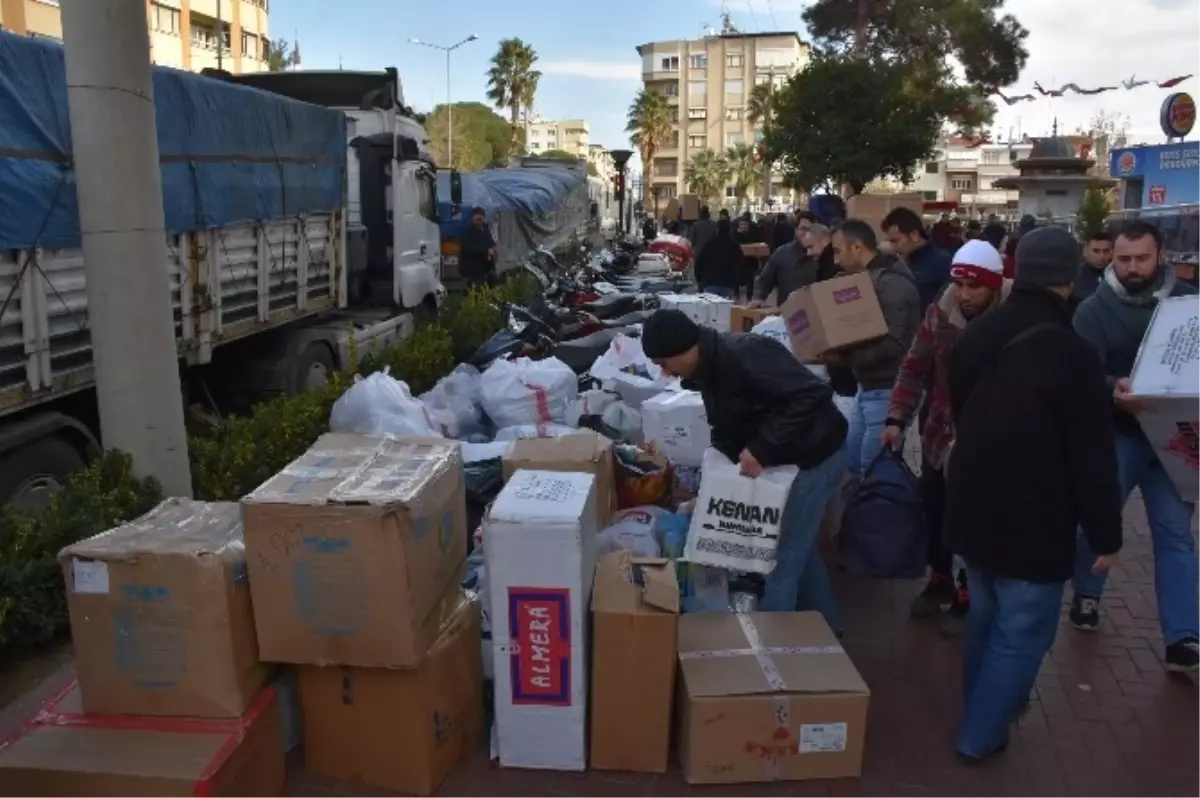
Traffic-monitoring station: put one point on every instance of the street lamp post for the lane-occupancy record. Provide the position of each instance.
(449, 105)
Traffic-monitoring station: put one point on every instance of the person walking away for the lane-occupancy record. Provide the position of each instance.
(784, 232)
(994, 233)
(978, 285)
(789, 268)
(929, 264)
(747, 232)
(1114, 320)
(477, 251)
(766, 410)
(719, 263)
(702, 231)
(1034, 458)
(649, 229)
(1097, 255)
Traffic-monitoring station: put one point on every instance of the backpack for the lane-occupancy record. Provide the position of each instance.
(883, 532)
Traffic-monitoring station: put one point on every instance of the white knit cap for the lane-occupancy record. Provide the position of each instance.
(978, 260)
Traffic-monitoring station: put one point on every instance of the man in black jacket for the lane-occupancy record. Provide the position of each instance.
(1034, 458)
(719, 263)
(477, 251)
(766, 409)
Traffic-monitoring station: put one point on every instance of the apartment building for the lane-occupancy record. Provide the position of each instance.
(708, 82)
(569, 135)
(598, 157)
(964, 174)
(184, 34)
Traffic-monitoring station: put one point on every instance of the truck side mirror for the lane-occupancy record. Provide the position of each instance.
(455, 187)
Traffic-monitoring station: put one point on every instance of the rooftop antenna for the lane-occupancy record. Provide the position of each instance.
(727, 25)
(1054, 129)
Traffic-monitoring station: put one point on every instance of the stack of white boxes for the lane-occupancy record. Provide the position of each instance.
(707, 310)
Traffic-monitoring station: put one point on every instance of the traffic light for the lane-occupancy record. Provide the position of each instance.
(619, 185)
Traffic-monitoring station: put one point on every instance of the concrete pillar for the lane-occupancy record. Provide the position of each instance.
(115, 145)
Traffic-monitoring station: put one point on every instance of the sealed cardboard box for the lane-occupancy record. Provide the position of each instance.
(756, 250)
(65, 752)
(1166, 376)
(832, 314)
(707, 310)
(161, 617)
(635, 607)
(873, 208)
(743, 318)
(689, 204)
(586, 452)
(402, 730)
(677, 423)
(767, 696)
(355, 551)
(541, 557)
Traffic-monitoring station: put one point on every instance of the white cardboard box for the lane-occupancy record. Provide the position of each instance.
(720, 312)
(678, 423)
(1166, 376)
(707, 310)
(541, 558)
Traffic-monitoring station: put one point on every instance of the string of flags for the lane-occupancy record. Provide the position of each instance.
(1128, 85)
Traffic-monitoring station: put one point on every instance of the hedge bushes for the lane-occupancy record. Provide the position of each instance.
(228, 461)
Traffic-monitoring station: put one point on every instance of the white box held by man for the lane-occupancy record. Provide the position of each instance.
(1166, 376)
(678, 424)
(541, 558)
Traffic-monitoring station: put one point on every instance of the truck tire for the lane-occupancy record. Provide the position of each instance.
(313, 368)
(30, 473)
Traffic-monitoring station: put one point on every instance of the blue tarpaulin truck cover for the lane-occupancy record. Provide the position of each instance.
(228, 153)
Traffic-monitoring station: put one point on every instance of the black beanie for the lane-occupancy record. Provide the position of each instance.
(668, 333)
(1047, 256)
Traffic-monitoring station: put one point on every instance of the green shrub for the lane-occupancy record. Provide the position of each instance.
(420, 360)
(32, 599)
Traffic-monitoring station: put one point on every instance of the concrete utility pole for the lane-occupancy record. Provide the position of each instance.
(449, 104)
(766, 122)
(115, 145)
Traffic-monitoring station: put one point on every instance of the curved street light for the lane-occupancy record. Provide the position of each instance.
(449, 105)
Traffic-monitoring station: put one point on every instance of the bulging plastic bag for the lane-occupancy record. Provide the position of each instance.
(624, 419)
(525, 391)
(626, 359)
(454, 403)
(381, 405)
(635, 529)
(589, 403)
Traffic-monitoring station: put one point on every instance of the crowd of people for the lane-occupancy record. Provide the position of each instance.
(1012, 353)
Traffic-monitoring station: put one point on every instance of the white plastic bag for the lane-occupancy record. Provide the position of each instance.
(635, 529)
(525, 391)
(736, 522)
(381, 405)
(454, 403)
(589, 403)
(625, 420)
(521, 431)
(625, 356)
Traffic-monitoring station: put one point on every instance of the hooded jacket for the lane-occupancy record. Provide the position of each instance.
(875, 364)
(720, 261)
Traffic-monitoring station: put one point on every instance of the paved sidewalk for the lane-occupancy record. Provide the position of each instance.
(1107, 719)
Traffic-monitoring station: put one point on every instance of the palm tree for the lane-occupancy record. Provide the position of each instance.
(513, 83)
(759, 106)
(744, 169)
(649, 127)
(706, 174)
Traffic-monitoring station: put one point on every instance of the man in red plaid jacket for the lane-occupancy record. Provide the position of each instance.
(978, 284)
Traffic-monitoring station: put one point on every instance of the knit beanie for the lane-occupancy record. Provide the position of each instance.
(668, 333)
(979, 261)
(1047, 256)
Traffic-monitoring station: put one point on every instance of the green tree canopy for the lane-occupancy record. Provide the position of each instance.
(648, 123)
(706, 175)
(1093, 213)
(556, 153)
(481, 137)
(513, 83)
(744, 169)
(279, 55)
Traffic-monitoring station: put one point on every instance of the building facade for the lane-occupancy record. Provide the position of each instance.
(598, 157)
(184, 34)
(569, 135)
(708, 82)
(965, 174)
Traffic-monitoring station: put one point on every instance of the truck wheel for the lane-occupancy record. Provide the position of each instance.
(313, 368)
(29, 474)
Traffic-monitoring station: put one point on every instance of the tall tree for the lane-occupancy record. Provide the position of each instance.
(706, 175)
(279, 55)
(648, 123)
(759, 105)
(481, 136)
(513, 83)
(744, 169)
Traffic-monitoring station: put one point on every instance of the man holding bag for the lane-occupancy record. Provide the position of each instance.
(766, 410)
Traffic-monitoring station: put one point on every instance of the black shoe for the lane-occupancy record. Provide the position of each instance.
(938, 593)
(971, 759)
(954, 619)
(1085, 613)
(1183, 656)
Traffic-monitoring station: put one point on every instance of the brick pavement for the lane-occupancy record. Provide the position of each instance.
(1106, 719)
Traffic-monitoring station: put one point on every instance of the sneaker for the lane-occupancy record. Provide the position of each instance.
(1184, 656)
(1085, 613)
(938, 593)
(954, 619)
(970, 759)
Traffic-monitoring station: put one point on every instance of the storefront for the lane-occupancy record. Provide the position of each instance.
(1163, 174)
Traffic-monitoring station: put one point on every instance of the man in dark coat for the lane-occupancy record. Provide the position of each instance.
(1097, 254)
(719, 263)
(766, 409)
(1034, 459)
(929, 264)
(477, 251)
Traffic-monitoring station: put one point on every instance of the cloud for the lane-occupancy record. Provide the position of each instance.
(627, 70)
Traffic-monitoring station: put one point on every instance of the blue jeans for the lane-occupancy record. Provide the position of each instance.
(1175, 567)
(866, 427)
(1010, 627)
(800, 581)
(721, 290)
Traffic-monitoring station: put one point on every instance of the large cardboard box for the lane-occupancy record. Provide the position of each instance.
(161, 617)
(768, 696)
(756, 249)
(586, 452)
(742, 318)
(66, 752)
(402, 730)
(635, 607)
(541, 557)
(833, 314)
(690, 205)
(677, 422)
(1166, 375)
(707, 310)
(355, 551)
(873, 208)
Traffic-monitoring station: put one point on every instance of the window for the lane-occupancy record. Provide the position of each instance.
(992, 157)
(427, 197)
(697, 142)
(931, 168)
(670, 63)
(929, 196)
(697, 88)
(671, 90)
(673, 142)
(730, 192)
(762, 80)
(673, 115)
(734, 139)
(667, 192)
(733, 114)
(697, 113)
(961, 183)
(250, 46)
(535, 145)
(698, 61)
(164, 19)
(733, 86)
(734, 61)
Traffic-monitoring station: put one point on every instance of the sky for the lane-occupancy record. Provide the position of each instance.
(591, 69)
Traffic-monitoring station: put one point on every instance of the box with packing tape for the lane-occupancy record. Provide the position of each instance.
(833, 314)
(707, 310)
(585, 451)
(161, 617)
(356, 549)
(767, 696)
(677, 423)
(743, 318)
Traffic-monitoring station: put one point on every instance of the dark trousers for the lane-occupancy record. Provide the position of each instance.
(933, 501)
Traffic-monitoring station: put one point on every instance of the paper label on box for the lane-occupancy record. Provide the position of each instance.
(845, 295)
(1185, 444)
(797, 322)
(89, 576)
(539, 620)
(822, 738)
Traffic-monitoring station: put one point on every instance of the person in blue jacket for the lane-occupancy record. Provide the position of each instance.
(930, 265)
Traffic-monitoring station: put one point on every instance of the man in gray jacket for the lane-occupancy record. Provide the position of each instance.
(790, 267)
(875, 364)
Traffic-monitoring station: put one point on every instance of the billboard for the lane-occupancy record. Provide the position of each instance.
(1169, 173)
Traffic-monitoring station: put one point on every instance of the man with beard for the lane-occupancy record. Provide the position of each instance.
(789, 268)
(1114, 320)
(929, 264)
(1097, 254)
(978, 285)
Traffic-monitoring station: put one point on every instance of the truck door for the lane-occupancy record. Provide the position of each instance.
(417, 245)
